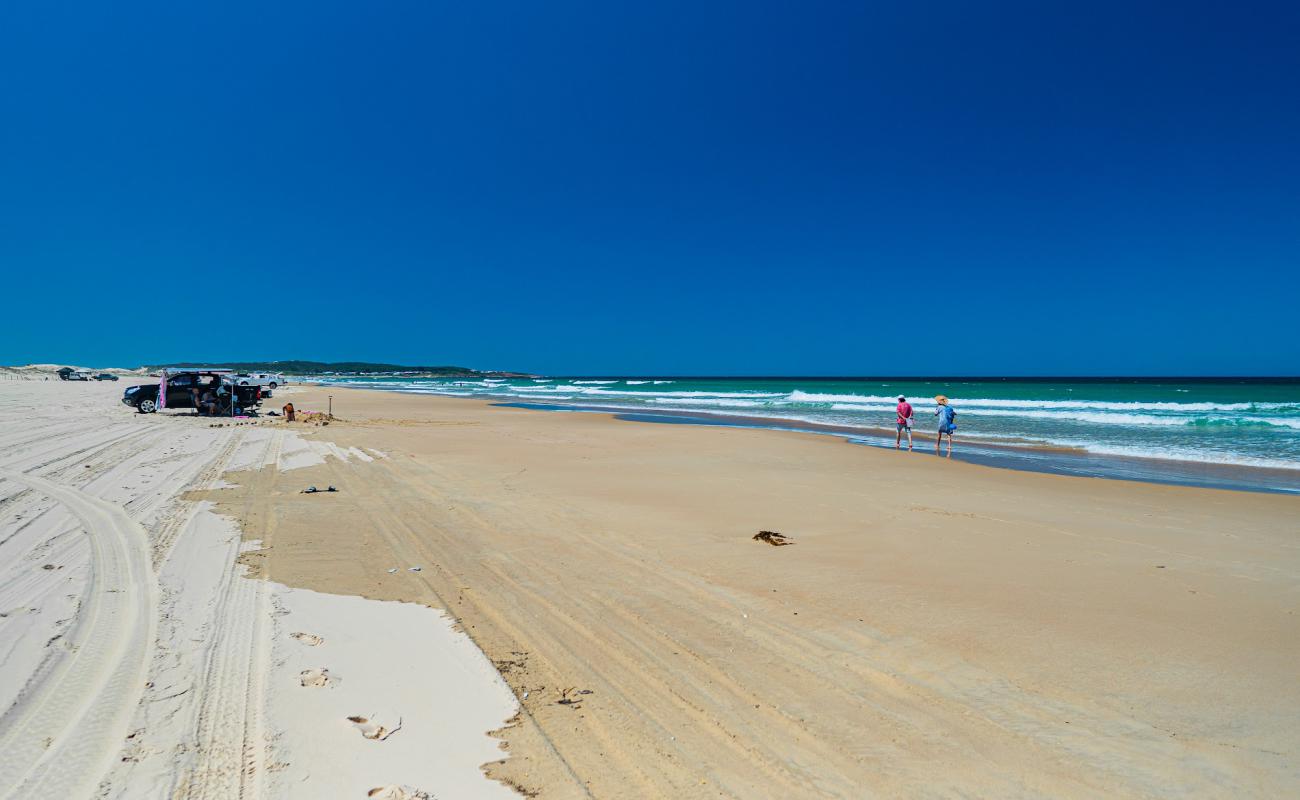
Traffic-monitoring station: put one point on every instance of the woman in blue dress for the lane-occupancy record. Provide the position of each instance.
(947, 423)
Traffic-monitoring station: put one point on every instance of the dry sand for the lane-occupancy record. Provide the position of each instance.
(136, 661)
(937, 629)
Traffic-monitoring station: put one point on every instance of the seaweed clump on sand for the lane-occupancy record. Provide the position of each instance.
(773, 538)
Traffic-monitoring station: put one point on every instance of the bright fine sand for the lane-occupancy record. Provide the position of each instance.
(136, 660)
(937, 629)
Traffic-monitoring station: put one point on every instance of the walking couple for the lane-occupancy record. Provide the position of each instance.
(947, 423)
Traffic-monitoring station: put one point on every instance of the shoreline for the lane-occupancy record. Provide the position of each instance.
(1021, 455)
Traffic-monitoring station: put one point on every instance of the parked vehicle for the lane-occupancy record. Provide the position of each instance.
(186, 388)
(105, 376)
(78, 376)
(268, 380)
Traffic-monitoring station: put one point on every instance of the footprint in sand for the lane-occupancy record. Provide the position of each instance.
(395, 792)
(309, 639)
(372, 728)
(316, 678)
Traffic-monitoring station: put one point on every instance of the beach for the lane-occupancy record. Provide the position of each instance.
(936, 628)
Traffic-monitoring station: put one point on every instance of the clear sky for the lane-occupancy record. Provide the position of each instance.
(685, 188)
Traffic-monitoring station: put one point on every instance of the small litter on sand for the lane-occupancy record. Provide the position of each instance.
(373, 729)
(391, 571)
(395, 792)
(567, 698)
(773, 538)
(415, 569)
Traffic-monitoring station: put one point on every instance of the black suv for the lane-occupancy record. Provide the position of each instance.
(185, 390)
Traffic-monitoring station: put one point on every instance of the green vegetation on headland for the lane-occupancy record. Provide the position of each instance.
(338, 368)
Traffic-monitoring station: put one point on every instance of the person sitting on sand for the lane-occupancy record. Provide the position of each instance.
(208, 402)
(947, 423)
(904, 424)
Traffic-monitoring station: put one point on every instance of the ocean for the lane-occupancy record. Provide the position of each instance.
(1239, 434)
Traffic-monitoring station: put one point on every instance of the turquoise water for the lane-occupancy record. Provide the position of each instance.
(1229, 424)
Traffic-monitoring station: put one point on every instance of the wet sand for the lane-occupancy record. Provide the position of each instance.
(937, 629)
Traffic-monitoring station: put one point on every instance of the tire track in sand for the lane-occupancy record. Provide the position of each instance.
(183, 512)
(60, 736)
(229, 731)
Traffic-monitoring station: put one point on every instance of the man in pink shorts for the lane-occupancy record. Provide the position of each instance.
(904, 424)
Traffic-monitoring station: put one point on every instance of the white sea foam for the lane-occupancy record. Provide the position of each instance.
(1075, 415)
(798, 396)
(720, 402)
(1282, 423)
(652, 394)
(448, 392)
(1178, 454)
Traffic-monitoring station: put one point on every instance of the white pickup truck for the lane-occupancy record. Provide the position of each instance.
(267, 380)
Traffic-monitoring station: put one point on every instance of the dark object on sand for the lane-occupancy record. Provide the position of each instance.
(569, 697)
(314, 490)
(773, 538)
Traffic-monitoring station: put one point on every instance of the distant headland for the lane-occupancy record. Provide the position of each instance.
(343, 368)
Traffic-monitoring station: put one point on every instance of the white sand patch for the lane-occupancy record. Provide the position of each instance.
(420, 696)
(310, 453)
(251, 452)
(298, 452)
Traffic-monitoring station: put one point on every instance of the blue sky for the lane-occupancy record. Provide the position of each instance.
(708, 188)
